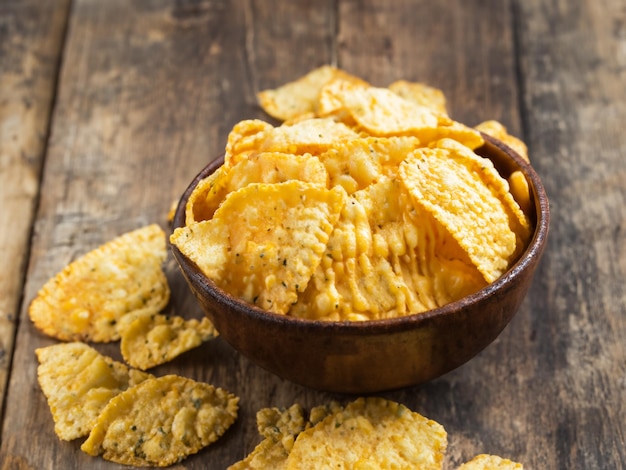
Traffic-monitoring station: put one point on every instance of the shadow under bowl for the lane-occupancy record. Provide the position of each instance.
(376, 355)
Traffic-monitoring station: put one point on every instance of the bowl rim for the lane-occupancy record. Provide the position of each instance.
(396, 324)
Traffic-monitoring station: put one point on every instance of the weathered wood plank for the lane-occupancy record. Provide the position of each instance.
(31, 36)
(573, 64)
(147, 94)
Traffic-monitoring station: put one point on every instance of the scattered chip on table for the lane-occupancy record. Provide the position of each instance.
(88, 297)
(490, 462)
(150, 339)
(279, 427)
(161, 421)
(78, 383)
(371, 431)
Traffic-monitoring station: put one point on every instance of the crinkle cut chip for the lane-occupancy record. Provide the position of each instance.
(149, 339)
(85, 300)
(372, 430)
(267, 254)
(161, 421)
(78, 382)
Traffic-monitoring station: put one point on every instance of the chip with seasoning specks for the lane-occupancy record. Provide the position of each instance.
(264, 167)
(161, 421)
(279, 427)
(78, 383)
(266, 254)
(371, 432)
(88, 297)
(151, 339)
(454, 193)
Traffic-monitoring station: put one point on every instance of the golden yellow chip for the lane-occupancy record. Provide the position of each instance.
(329, 102)
(279, 427)
(520, 191)
(312, 136)
(150, 339)
(244, 139)
(299, 97)
(490, 462)
(497, 130)
(264, 167)
(267, 254)
(161, 421)
(453, 191)
(422, 94)
(86, 299)
(372, 432)
(357, 163)
(78, 382)
(499, 186)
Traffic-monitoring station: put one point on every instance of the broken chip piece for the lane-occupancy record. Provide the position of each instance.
(149, 339)
(78, 383)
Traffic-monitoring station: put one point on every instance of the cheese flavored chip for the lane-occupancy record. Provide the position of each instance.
(244, 139)
(357, 163)
(454, 192)
(86, 299)
(268, 252)
(149, 339)
(78, 382)
(497, 130)
(490, 462)
(279, 427)
(371, 433)
(312, 136)
(161, 421)
(381, 112)
(300, 96)
(421, 94)
(264, 167)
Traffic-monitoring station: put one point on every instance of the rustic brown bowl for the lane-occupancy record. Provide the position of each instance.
(377, 355)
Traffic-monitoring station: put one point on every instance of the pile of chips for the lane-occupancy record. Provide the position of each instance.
(117, 292)
(369, 432)
(365, 203)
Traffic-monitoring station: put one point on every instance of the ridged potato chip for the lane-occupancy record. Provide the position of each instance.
(244, 139)
(449, 185)
(266, 254)
(371, 433)
(312, 136)
(150, 339)
(359, 162)
(161, 421)
(490, 462)
(279, 429)
(300, 96)
(88, 297)
(78, 383)
(499, 131)
(421, 94)
(264, 167)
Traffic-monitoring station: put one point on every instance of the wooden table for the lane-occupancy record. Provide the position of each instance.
(108, 109)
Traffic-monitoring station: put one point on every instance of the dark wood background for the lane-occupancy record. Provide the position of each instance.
(109, 108)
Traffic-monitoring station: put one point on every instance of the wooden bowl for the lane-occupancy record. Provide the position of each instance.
(377, 355)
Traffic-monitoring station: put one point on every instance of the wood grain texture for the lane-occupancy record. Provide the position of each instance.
(31, 39)
(147, 93)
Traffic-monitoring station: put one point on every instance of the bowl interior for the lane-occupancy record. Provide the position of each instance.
(376, 355)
